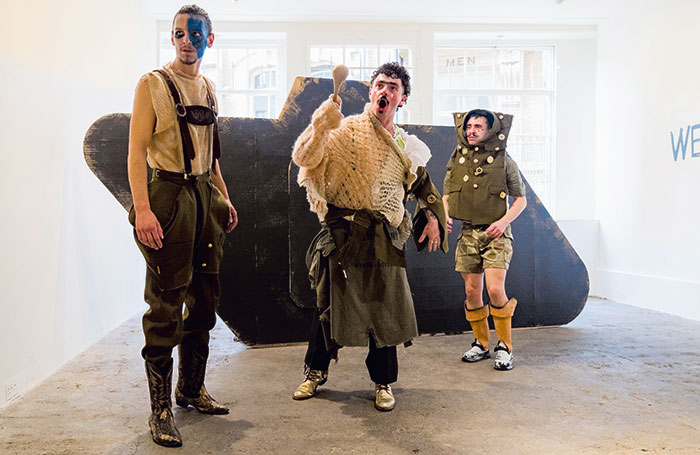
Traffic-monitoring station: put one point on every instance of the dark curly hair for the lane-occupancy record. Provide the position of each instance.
(394, 71)
(194, 10)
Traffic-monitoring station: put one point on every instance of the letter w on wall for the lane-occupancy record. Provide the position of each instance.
(681, 144)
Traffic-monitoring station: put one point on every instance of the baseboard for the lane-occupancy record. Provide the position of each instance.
(660, 293)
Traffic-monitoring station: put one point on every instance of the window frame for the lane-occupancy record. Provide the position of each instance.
(243, 40)
(404, 114)
(549, 198)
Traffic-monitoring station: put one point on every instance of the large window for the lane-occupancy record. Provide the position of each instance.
(513, 80)
(361, 60)
(249, 72)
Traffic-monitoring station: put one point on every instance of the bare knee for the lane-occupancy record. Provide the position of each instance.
(474, 300)
(472, 289)
(497, 294)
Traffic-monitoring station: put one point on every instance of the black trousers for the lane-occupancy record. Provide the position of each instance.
(382, 363)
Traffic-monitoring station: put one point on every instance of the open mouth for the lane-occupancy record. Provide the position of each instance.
(383, 102)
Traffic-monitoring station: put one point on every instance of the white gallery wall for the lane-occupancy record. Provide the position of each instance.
(626, 75)
(70, 272)
(647, 201)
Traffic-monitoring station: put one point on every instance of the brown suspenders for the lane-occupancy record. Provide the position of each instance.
(182, 117)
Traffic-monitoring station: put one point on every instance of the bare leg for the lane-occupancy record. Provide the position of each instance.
(502, 309)
(475, 311)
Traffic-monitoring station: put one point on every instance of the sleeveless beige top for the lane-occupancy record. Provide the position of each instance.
(164, 151)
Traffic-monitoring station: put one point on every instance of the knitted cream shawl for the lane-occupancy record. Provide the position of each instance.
(352, 163)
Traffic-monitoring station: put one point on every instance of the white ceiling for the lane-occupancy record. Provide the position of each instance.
(388, 11)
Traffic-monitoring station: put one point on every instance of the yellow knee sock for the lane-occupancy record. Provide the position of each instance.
(480, 326)
(501, 321)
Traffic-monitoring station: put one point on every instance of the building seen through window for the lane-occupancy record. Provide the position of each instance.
(513, 80)
(361, 61)
(249, 70)
(245, 72)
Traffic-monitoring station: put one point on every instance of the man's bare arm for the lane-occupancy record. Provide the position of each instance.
(448, 218)
(143, 120)
(218, 180)
(497, 227)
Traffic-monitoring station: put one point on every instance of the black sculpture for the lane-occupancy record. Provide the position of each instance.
(265, 291)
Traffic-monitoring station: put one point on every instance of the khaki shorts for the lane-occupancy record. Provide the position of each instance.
(477, 251)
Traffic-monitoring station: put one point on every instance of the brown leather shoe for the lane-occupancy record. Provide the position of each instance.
(204, 403)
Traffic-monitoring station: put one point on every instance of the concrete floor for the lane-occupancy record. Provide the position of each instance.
(618, 380)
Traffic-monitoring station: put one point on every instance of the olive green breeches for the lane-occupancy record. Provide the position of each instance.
(193, 215)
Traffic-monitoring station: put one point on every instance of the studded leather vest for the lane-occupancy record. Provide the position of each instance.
(476, 174)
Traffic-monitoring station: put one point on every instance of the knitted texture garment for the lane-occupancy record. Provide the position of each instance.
(352, 163)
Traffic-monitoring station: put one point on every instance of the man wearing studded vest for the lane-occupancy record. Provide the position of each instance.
(180, 219)
(479, 178)
(357, 172)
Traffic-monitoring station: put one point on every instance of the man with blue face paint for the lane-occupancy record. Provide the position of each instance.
(180, 218)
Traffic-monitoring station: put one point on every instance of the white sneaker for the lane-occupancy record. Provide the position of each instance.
(503, 358)
(476, 353)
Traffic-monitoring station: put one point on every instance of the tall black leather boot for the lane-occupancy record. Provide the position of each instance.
(161, 421)
(190, 388)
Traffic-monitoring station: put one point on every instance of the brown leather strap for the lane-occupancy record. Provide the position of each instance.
(216, 152)
(180, 112)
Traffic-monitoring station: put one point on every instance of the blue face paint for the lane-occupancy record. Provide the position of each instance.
(197, 29)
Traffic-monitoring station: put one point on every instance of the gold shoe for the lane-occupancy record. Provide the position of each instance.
(204, 403)
(313, 379)
(384, 400)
